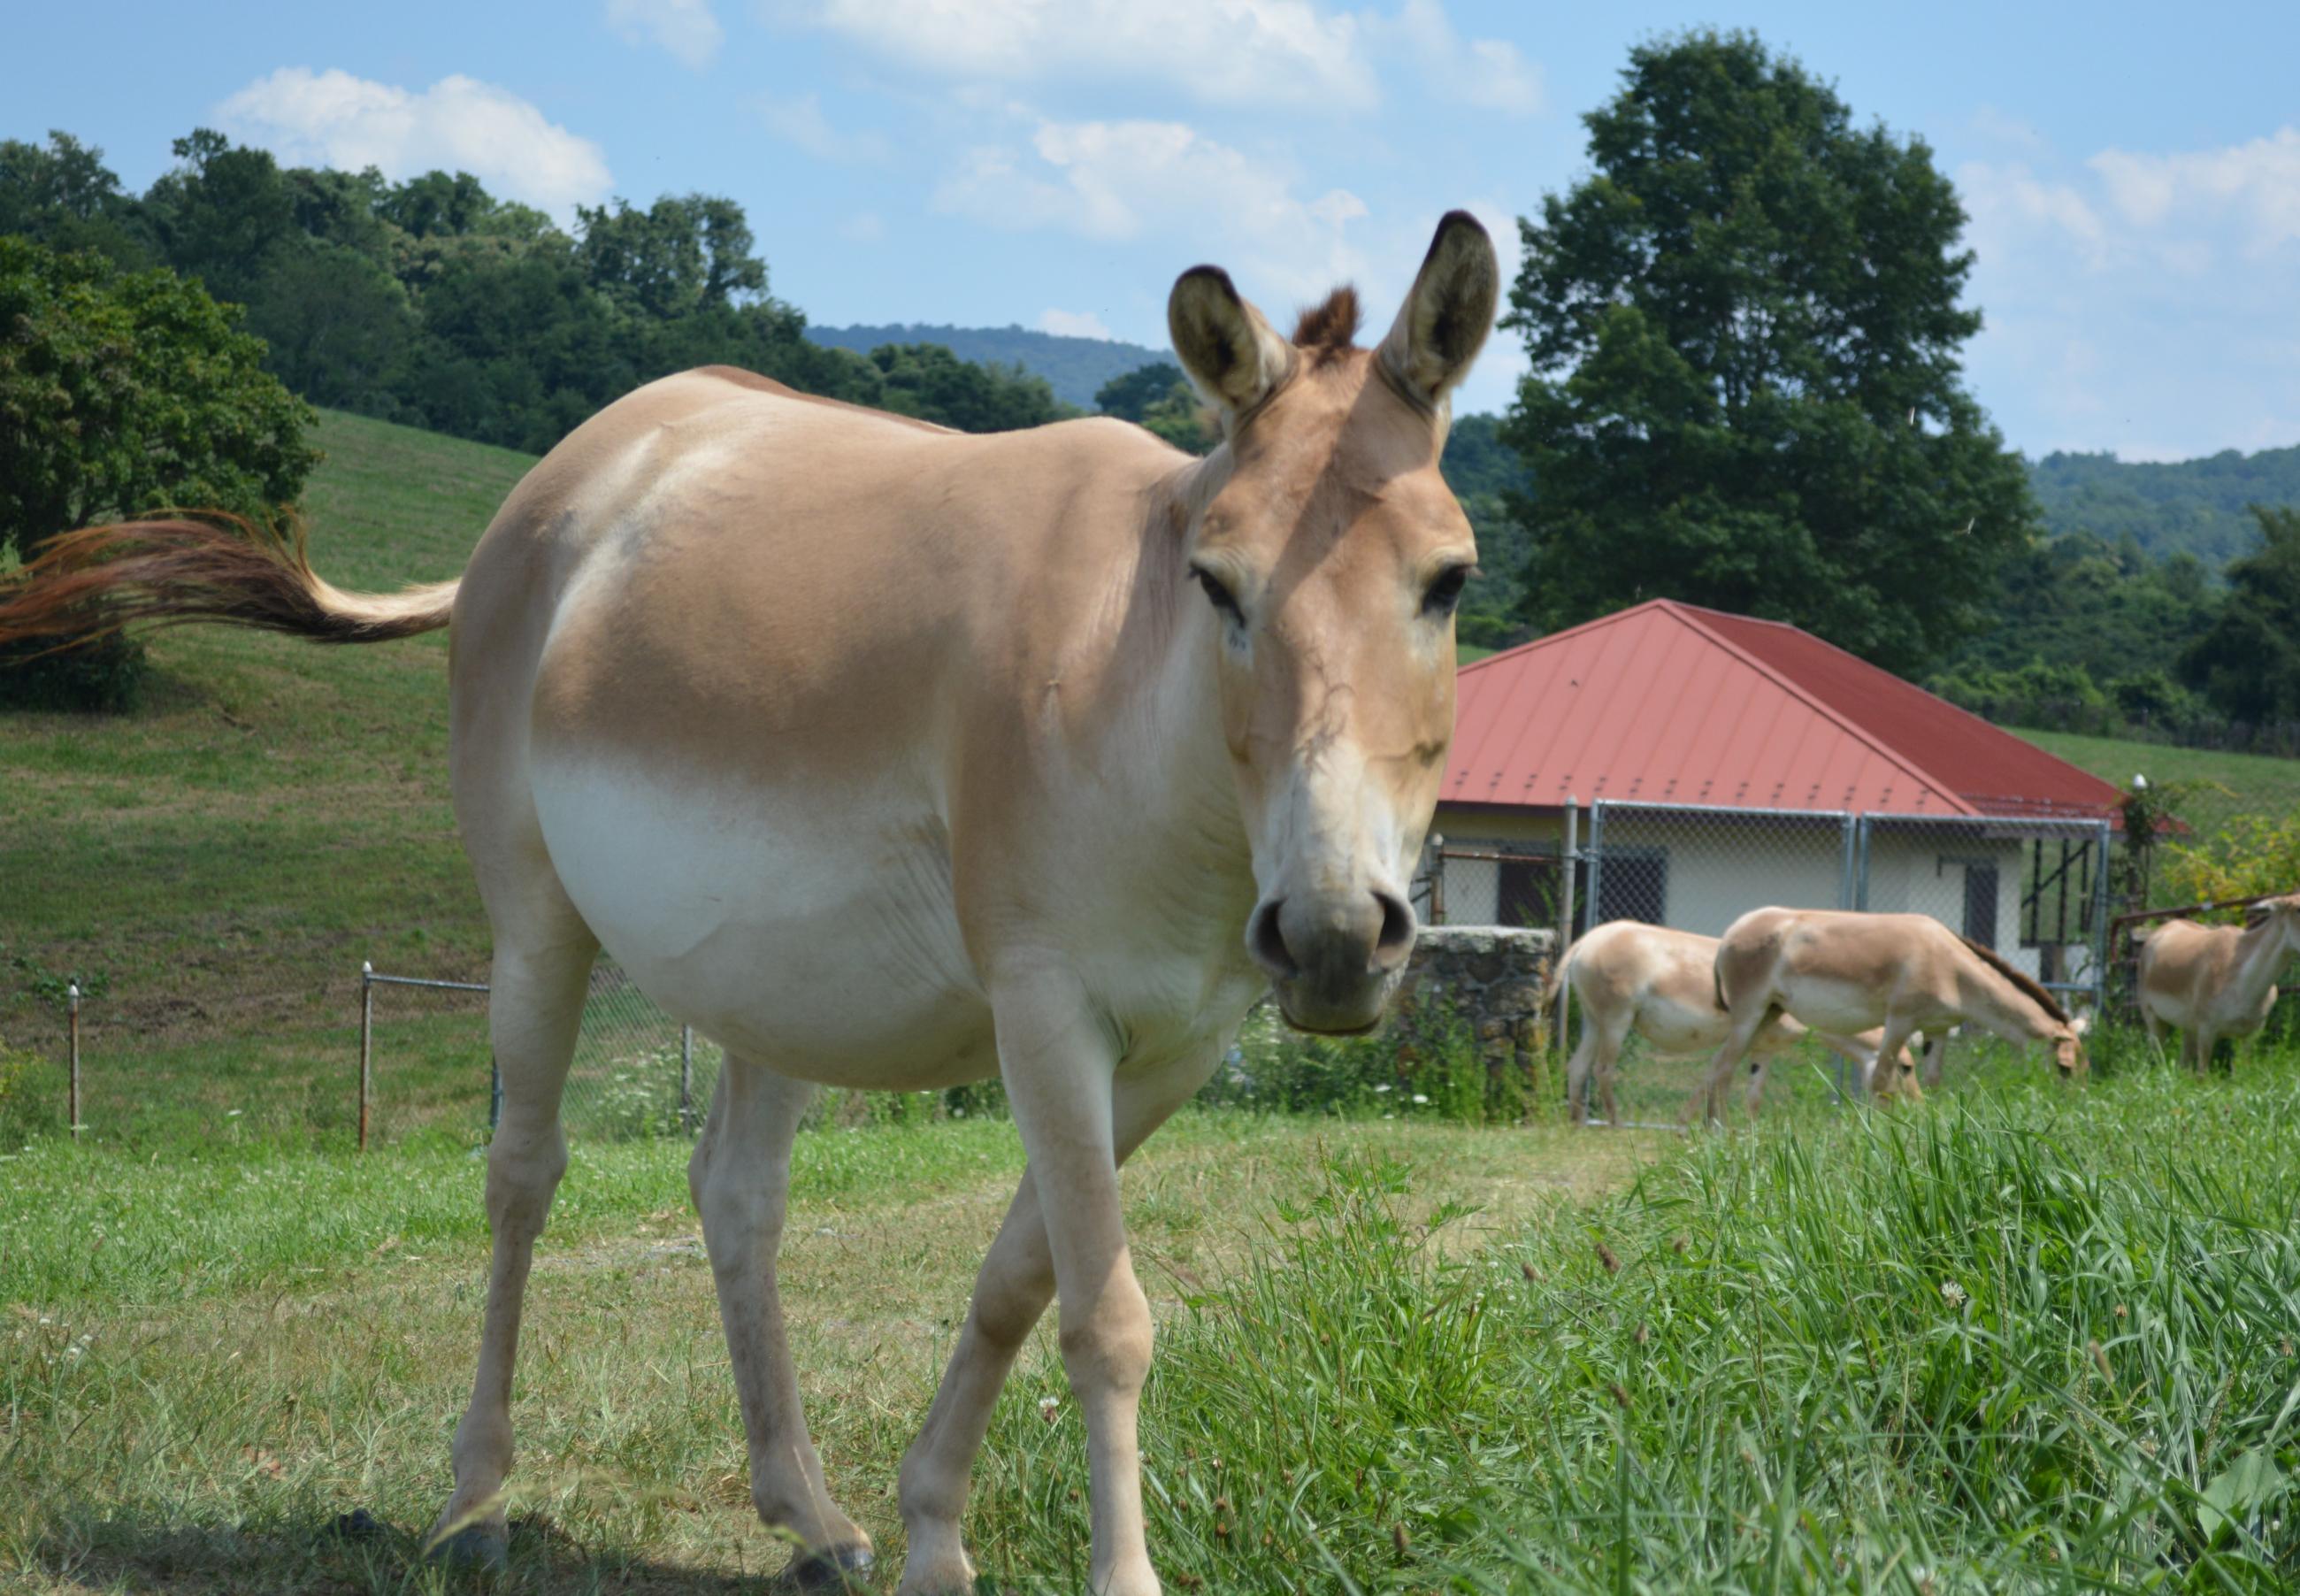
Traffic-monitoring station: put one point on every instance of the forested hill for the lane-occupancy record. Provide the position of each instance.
(2189, 506)
(1075, 368)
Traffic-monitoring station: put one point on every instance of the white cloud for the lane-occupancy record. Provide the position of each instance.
(2009, 206)
(1235, 51)
(459, 123)
(1073, 323)
(1117, 180)
(2254, 188)
(1489, 74)
(801, 121)
(685, 28)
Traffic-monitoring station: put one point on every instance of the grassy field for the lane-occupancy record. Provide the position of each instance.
(2024, 1337)
(2253, 782)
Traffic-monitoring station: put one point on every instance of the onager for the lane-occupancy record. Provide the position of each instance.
(2216, 980)
(1842, 973)
(893, 757)
(1660, 984)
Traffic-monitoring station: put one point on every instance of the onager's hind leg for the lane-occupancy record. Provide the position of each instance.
(1012, 1291)
(1593, 1059)
(1709, 1097)
(534, 1006)
(740, 1179)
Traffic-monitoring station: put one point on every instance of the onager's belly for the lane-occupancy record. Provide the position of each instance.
(1838, 1006)
(819, 937)
(1671, 1031)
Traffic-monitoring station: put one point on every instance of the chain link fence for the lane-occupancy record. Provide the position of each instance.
(426, 1064)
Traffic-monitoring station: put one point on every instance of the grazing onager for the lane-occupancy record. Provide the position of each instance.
(1628, 975)
(2216, 980)
(894, 757)
(1841, 972)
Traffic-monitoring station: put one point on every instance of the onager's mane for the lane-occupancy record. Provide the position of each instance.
(2027, 984)
(1326, 331)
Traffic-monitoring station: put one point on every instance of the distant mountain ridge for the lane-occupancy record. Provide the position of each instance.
(1075, 368)
(2184, 507)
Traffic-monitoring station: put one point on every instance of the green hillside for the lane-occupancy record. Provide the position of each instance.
(280, 812)
(2255, 783)
(2185, 506)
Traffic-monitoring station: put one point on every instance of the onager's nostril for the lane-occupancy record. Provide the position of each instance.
(1267, 942)
(1396, 940)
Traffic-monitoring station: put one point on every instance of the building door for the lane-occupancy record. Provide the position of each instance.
(1981, 904)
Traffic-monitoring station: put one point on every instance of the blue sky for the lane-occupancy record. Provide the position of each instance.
(2133, 172)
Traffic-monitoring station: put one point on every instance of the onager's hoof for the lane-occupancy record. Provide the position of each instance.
(834, 1570)
(485, 1549)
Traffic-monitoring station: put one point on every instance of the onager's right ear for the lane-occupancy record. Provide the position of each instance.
(1233, 355)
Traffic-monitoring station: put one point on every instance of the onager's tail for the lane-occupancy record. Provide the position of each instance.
(1559, 968)
(225, 568)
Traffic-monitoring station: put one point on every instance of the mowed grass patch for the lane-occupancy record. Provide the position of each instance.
(2255, 782)
(205, 1364)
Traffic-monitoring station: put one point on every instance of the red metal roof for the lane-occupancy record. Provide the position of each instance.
(1669, 703)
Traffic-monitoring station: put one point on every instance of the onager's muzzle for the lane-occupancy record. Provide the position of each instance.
(1333, 957)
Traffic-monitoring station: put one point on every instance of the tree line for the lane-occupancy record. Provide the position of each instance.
(433, 303)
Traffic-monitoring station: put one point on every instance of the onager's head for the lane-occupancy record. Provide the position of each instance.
(2281, 916)
(1332, 556)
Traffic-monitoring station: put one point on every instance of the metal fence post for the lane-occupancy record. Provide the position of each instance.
(367, 1042)
(1596, 860)
(1844, 885)
(71, 1090)
(2100, 937)
(1571, 854)
(686, 1079)
(1437, 880)
(1860, 866)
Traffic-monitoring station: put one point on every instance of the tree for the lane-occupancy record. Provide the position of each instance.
(2248, 662)
(1159, 398)
(122, 393)
(61, 193)
(220, 215)
(1746, 392)
(928, 381)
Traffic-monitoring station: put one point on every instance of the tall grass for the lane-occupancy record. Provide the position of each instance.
(2044, 1340)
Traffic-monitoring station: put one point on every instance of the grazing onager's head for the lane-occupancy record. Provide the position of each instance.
(2281, 916)
(1333, 555)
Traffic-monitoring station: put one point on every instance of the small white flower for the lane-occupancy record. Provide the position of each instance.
(1047, 1406)
(1380, 1089)
(1952, 1293)
(232, 1113)
(1419, 1099)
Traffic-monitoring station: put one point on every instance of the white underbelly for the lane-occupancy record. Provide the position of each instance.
(818, 936)
(1838, 1007)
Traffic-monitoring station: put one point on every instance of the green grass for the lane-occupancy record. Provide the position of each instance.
(2257, 783)
(2024, 1337)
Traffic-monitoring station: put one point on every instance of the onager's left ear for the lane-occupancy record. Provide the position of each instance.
(1448, 313)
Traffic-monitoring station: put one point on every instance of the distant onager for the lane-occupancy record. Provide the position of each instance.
(1661, 984)
(2216, 980)
(1842, 973)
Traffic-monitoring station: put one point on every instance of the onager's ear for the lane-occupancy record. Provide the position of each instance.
(1447, 313)
(1231, 354)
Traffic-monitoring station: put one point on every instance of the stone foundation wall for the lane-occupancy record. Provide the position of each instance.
(1492, 975)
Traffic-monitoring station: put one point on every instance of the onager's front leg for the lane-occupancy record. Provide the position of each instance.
(1060, 1065)
(1016, 1282)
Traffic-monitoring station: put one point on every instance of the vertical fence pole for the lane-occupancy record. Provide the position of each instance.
(367, 1043)
(1437, 880)
(1570, 858)
(71, 1090)
(686, 1079)
(1597, 860)
(1845, 890)
(2100, 937)
(1860, 866)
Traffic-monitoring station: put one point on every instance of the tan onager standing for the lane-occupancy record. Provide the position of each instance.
(1840, 972)
(894, 757)
(2216, 980)
(1662, 983)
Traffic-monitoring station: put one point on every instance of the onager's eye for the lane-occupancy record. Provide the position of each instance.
(1446, 592)
(1222, 598)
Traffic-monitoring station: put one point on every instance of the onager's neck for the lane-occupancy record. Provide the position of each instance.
(2016, 1010)
(2260, 955)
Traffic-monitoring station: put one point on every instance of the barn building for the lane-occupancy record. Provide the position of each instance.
(1713, 762)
